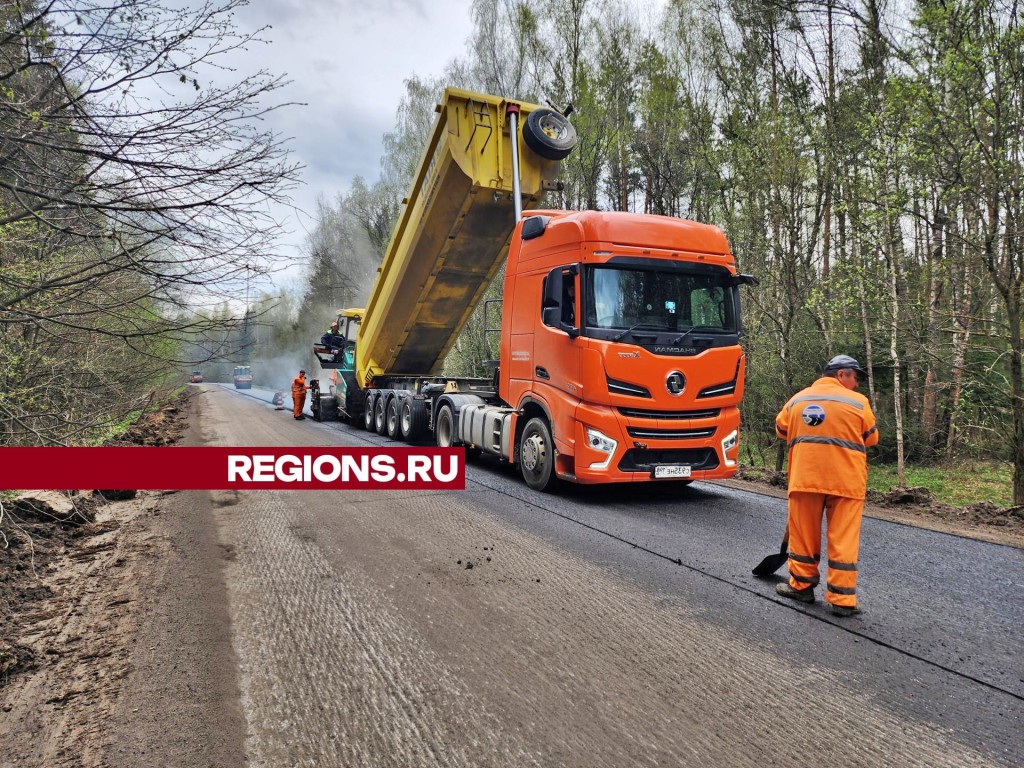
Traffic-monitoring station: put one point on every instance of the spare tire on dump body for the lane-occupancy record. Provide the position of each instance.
(549, 134)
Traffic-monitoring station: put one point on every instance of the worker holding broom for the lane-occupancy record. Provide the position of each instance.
(828, 428)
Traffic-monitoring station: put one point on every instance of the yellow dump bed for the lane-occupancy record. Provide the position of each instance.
(452, 236)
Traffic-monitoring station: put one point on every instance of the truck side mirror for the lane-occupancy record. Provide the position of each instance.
(554, 287)
(745, 280)
(552, 292)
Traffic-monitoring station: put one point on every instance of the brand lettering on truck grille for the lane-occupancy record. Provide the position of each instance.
(677, 351)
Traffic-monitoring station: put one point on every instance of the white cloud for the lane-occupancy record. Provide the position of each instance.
(347, 62)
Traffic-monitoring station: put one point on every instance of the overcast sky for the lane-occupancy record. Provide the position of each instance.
(347, 61)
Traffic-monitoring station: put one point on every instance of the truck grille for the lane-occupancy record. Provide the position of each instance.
(726, 388)
(642, 413)
(670, 434)
(644, 459)
(625, 388)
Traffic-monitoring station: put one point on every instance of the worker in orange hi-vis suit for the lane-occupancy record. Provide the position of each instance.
(299, 389)
(828, 428)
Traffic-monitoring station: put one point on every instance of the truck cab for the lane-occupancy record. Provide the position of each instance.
(620, 336)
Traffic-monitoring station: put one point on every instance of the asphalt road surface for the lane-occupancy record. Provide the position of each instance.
(595, 627)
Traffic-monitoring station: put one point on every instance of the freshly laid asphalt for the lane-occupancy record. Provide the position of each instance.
(938, 646)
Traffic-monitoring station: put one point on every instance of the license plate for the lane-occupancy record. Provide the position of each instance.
(672, 471)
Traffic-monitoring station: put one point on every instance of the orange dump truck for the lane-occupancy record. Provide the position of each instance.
(619, 347)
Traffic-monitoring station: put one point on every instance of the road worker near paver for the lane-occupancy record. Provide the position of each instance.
(828, 428)
(333, 338)
(299, 389)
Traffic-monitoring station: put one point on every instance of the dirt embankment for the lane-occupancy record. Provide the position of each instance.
(68, 586)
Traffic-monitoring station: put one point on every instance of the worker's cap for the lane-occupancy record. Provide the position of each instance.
(845, 362)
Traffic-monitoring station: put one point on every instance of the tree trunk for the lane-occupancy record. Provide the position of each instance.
(929, 409)
(894, 354)
(961, 336)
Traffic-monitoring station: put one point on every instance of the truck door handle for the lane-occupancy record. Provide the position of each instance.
(542, 373)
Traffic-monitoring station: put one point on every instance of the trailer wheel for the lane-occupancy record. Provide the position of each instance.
(412, 419)
(380, 424)
(537, 455)
(549, 134)
(444, 429)
(391, 418)
(368, 413)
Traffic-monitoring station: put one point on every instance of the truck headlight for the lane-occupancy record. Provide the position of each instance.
(729, 444)
(601, 443)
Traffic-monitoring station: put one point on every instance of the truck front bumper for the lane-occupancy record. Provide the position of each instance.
(606, 452)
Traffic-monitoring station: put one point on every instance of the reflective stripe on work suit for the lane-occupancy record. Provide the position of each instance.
(298, 395)
(844, 516)
(828, 429)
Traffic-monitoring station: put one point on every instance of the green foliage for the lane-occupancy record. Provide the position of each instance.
(118, 428)
(865, 166)
(103, 240)
(958, 485)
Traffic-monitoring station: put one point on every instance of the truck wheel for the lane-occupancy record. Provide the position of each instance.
(537, 455)
(380, 424)
(549, 134)
(391, 418)
(444, 429)
(371, 402)
(412, 419)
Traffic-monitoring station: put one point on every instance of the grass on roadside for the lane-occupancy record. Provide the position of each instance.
(960, 484)
(964, 483)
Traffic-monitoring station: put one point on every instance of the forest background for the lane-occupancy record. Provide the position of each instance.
(863, 158)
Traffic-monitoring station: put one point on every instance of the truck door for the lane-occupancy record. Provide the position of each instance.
(557, 347)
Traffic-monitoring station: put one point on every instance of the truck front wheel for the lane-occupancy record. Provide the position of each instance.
(537, 455)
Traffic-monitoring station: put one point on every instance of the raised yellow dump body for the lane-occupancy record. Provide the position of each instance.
(451, 238)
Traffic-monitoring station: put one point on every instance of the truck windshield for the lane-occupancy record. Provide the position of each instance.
(628, 299)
